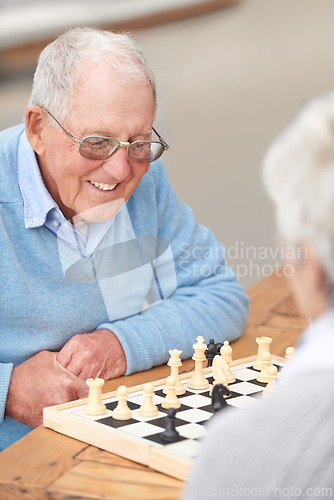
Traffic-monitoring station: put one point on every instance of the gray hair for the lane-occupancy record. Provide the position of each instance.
(299, 177)
(61, 63)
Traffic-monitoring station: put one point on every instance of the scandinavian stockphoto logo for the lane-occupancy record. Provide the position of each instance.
(133, 273)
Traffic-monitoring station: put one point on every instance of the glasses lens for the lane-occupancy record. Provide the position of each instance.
(145, 151)
(97, 148)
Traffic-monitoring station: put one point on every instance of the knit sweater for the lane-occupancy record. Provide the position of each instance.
(42, 304)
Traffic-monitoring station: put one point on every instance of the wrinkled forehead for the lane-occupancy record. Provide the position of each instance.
(103, 80)
(105, 97)
(106, 101)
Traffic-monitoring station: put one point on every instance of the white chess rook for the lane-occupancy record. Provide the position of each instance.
(264, 346)
(95, 405)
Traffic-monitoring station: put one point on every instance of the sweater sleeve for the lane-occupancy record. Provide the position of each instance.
(5, 374)
(208, 300)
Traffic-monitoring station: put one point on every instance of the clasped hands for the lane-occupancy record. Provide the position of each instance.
(50, 378)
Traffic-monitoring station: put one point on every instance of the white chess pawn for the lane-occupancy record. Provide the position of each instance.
(226, 354)
(289, 352)
(148, 408)
(175, 362)
(122, 411)
(272, 373)
(95, 405)
(263, 376)
(171, 400)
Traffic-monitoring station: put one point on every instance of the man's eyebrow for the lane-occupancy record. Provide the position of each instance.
(105, 133)
(145, 134)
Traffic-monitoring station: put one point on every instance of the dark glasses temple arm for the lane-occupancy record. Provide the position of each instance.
(60, 125)
(164, 143)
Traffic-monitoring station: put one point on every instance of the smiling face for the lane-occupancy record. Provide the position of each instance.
(104, 104)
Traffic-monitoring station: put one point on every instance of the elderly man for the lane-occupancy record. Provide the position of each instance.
(103, 268)
(283, 447)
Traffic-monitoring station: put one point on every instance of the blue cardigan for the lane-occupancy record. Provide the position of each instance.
(41, 307)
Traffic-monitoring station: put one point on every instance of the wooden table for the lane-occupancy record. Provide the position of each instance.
(45, 464)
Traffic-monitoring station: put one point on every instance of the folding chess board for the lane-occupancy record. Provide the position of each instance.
(138, 439)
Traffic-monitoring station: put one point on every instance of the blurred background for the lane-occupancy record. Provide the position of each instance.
(230, 76)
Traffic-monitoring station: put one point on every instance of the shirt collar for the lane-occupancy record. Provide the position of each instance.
(36, 198)
(315, 350)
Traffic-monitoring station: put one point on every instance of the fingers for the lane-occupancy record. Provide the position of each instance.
(97, 354)
(64, 356)
(39, 382)
(78, 356)
(74, 366)
(82, 388)
(83, 356)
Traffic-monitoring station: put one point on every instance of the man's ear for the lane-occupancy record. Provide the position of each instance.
(35, 121)
(309, 283)
(316, 273)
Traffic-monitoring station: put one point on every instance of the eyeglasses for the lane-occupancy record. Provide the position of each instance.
(101, 148)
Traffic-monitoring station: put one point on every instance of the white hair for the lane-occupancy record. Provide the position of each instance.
(62, 62)
(299, 177)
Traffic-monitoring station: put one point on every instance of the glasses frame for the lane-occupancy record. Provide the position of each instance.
(121, 144)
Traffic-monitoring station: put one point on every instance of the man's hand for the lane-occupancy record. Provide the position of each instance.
(39, 382)
(96, 354)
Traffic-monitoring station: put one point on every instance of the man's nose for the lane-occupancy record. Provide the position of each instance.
(118, 164)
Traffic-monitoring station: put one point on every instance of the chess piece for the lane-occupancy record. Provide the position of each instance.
(219, 393)
(122, 411)
(148, 408)
(219, 346)
(263, 376)
(272, 374)
(95, 405)
(170, 435)
(264, 345)
(218, 372)
(289, 352)
(197, 379)
(226, 354)
(175, 362)
(210, 352)
(170, 401)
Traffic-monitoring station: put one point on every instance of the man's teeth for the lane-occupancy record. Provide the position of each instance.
(103, 187)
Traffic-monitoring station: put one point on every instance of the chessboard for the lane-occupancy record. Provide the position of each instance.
(139, 438)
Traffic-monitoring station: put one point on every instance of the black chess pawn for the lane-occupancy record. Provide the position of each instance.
(170, 435)
(217, 397)
(210, 351)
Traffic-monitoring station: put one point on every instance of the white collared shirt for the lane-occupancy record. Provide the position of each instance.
(40, 208)
(315, 351)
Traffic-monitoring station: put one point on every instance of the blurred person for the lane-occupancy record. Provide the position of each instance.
(283, 446)
(92, 235)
